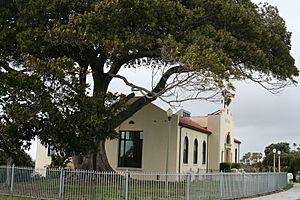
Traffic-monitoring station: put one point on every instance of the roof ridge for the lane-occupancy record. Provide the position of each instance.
(189, 123)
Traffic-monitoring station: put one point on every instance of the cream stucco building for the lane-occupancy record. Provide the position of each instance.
(149, 142)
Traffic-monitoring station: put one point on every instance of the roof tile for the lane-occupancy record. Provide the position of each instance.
(187, 122)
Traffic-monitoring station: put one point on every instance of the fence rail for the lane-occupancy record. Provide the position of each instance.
(76, 184)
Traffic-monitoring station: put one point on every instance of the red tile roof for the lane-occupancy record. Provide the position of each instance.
(236, 140)
(188, 123)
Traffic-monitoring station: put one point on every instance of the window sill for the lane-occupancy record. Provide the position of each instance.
(129, 169)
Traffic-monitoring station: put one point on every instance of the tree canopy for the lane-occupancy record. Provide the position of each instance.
(284, 147)
(21, 159)
(47, 48)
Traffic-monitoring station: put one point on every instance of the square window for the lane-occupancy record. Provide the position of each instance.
(130, 149)
(51, 150)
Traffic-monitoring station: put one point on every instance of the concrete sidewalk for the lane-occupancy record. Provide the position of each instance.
(291, 194)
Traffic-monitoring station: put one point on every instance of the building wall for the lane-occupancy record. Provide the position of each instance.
(192, 135)
(220, 124)
(214, 151)
(42, 158)
(155, 127)
(203, 120)
(212, 122)
(227, 127)
(153, 122)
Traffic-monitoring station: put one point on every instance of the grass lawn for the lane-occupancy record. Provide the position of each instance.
(3, 197)
(289, 186)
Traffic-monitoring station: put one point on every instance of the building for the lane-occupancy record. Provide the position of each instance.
(149, 142)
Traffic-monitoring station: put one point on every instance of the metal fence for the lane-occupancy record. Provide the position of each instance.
(75, 184)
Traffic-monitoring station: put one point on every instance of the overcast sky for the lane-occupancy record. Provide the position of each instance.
(260, 118)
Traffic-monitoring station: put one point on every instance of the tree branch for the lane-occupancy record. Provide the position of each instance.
(150, 96)
(266, 82)
(119, 62)
(6, 67)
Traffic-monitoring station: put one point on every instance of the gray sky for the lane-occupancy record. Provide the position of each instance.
(260, 118)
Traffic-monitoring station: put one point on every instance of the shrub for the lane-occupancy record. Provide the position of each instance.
(225, 167)
(236, 165)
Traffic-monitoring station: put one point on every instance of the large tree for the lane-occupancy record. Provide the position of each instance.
(196, 46)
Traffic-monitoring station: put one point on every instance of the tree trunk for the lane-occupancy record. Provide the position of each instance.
(102, 161)
(94, 161)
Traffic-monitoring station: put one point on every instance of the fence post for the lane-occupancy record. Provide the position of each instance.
(12, 179)
(187, 189)
(221, 185)
(61, 184)
(126, 186)
(267, 187)
(244, 184)
(93, 182)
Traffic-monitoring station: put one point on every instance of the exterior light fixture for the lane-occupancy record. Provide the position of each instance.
(279, 152)
(169, 115)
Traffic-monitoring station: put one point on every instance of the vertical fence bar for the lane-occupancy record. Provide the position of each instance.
(221, 185)
(12, 179)
(187, 189)
(93, 182)
(61, 184)
(126, 186)
(244, 184)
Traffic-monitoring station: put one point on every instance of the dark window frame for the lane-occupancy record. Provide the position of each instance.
(228, 139)
(186, 150)
(236, 155)
(51, 150)
(130, 143)
(195, 156)
(204, 152)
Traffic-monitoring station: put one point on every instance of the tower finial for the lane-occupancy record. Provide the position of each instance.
(227, 97)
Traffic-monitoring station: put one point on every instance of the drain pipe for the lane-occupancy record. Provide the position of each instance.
(207, 149)
(179, 160)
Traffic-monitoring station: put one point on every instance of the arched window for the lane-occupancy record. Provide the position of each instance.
(228, 139)
(236, 155)
(185, 150)
(204, 152)
(195, 160)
